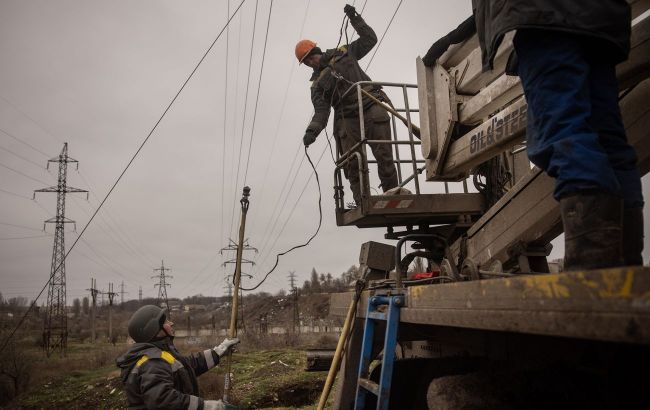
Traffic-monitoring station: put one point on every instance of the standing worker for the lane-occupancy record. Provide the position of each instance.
(566, 53)
(156, 375)
(335, 71)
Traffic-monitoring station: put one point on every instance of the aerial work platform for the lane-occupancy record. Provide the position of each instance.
(401, 210)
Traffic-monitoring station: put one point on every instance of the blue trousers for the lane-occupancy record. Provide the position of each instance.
(575, 130)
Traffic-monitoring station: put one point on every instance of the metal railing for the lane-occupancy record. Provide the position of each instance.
(359, 153)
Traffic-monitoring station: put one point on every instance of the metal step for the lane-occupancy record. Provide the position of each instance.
(403, 210)
(369, 385)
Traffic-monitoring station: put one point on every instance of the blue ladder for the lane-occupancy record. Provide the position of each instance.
(365, 386)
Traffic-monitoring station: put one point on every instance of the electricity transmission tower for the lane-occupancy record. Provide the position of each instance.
(162, 286)
(93, 294)
(122, 292)
(245, 246)
(55, 329)
(295, 324)
(110, 295)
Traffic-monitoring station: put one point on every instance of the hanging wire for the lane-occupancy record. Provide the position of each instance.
(119, 178)
(320, 221)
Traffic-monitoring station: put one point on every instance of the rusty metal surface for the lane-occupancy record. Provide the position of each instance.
(607, 305)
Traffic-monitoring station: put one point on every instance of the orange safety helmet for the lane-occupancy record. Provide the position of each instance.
(303, 48)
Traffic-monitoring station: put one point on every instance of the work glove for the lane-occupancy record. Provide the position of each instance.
(310, 137)
(226, 346)
(217, 405)
(350, 11)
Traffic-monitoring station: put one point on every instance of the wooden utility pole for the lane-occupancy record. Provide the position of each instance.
(232, 332)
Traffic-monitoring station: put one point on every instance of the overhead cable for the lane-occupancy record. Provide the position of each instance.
(119, 178)
(383, 35)
(320, 221)
(241, 139)
(257, 98)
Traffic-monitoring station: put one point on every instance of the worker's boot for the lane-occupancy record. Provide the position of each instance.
(633, 236)
(593, 234)
(389, 183)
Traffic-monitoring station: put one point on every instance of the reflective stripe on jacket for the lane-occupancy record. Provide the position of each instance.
(160, 378)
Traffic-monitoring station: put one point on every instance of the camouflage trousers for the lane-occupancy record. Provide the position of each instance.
(377, 127)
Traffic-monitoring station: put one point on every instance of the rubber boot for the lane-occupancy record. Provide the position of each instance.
(593, 231)
(633, 236)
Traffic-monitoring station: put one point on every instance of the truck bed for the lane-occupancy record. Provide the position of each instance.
(605, 305)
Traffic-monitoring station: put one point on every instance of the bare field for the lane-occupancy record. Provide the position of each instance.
(268, 372)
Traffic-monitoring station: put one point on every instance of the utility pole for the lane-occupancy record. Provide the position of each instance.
(241, 298)
(232, 332)
(294, 296)
(162, 286)
(55, 329)
(140, 295)
(122, 292)
(110, 295)
(93, 294)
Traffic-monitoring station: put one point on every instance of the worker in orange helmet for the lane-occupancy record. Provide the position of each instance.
(334, 71)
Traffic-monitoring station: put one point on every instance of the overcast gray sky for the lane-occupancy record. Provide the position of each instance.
(98, 74)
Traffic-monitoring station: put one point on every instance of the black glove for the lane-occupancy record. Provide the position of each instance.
(349, 11)
(309, 138)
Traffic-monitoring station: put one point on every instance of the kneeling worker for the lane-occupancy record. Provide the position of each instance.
(156, 375)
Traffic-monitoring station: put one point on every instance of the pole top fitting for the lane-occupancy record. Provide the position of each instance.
(247, 191)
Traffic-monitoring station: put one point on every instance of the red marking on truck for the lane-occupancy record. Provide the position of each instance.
(393, 204)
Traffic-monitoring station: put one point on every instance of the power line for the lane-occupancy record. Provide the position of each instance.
(280, 116)
(24, 237)
(257, 98)
(234, 124)
(320, 221)
(123, 172)
(21, 226)
(225, 117)
(23, 174)
(241, 139)
(15, 194)
(23, 142)
(23, 158)
(382, 36)
(32, 120)
(132, 244)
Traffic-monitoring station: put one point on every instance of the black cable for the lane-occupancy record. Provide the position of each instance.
(320, 221)
(330, 146)
(4, 344)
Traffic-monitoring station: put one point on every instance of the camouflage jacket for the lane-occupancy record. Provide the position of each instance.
(339, 69)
